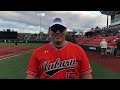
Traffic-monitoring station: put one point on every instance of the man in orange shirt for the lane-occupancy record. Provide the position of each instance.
(59, 59)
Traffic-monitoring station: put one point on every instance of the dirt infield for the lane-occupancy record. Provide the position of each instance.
(110, 62)
(9, 51)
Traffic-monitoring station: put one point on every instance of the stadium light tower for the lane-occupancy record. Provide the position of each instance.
(107, 21)
(41, 15)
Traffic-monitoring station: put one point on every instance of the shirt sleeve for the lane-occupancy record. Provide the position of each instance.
(33, 65)
(85, 67)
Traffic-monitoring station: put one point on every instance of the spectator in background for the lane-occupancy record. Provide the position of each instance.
(103, 46)
(16, 43)
(113, 45)
(118, 47)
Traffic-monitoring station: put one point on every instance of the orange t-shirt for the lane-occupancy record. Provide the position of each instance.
(69, 62)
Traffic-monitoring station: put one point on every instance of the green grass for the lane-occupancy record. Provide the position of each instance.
(23, 44)
(100, 72)
(15, 67)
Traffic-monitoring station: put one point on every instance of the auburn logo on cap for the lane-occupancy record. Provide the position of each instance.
(57, 20)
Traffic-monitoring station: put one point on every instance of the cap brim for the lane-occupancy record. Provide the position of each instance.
(57, 23)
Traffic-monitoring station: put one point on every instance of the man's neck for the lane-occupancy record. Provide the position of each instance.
(58, 45)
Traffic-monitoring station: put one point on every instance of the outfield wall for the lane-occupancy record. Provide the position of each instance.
(38, 41)
(91, 48)
(96, 48)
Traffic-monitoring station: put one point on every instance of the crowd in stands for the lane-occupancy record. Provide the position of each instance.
(33, 37)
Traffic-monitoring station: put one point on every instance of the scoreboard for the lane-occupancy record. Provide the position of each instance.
(8, 35)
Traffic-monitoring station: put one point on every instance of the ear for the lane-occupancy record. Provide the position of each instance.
(66, 31)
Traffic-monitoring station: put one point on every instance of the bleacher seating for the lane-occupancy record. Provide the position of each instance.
(95, 41)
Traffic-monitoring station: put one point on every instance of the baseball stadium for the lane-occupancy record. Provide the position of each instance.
(16, 49)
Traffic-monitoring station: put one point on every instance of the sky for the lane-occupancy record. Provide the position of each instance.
(36, 21)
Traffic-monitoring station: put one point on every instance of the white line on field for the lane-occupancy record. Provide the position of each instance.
(13, 55)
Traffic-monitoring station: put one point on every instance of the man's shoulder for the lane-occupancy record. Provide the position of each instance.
(42, 47)
(73, 44)
(76, 46)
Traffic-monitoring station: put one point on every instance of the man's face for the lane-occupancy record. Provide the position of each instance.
(57, 33)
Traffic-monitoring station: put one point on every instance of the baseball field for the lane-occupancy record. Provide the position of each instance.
(14, 61)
